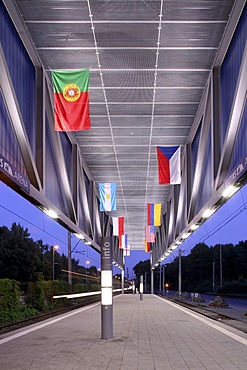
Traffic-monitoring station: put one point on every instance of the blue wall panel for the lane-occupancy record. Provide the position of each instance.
(87, 184)
(22, 72)
(81, 214)
(53, 189)
(230, 71)
(240, 148)
(8, 145)
(194, 151)
(206, 186)
(67, 151)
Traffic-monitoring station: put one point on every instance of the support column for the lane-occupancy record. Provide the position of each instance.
(160, 279)
(122, 281)
(164, 279)
(141, 287)
(145, 282)
(180, 275)
(69, 262)
(152, 281)
(133, 286)
(213, 276)
(221, 267)
(106, 289)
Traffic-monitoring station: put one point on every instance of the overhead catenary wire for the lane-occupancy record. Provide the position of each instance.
(44, 231)
(222, 224)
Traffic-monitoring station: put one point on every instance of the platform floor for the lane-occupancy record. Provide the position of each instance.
(148, 334)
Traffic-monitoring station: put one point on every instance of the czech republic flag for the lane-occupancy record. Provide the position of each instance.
(169, 164)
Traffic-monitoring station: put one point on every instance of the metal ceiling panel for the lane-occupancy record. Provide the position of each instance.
(127, 10)
(176, 108)
(127, 78)
(131, 109)
(131, 121)
(132, 132)
(173, 121)
(190, 35)
(46, 35)
(68, 59)
(128, 58)
(129, 95)
(187, 58)
(178, 95)
(182, 78)
(126, 35)
(50, 10)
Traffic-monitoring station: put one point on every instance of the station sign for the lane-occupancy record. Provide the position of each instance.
(9, 170)
(237, 172)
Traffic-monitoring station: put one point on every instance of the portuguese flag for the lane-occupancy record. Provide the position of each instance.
(71, 100)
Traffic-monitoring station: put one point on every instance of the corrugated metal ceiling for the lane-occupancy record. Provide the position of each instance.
(149, 63)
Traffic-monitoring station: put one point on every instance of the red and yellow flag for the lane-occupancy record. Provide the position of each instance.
(154, 214)
(71, 100)
(147, 246)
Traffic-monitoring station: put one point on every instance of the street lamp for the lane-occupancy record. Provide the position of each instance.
(87, 263)
(54, 248)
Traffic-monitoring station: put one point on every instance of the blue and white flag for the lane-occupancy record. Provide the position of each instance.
(107, 193)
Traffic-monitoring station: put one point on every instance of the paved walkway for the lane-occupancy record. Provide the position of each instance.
(148, 334)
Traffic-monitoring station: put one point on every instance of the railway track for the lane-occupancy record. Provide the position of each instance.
(44, 316)
(213, 314)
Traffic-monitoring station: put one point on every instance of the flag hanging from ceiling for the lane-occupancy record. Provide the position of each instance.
(169, 164)
(118, 225)
(123, 241)
(107, 193)
(126, 251)
(154, 214)
(71, 100)
(150, 234)
(147, 246)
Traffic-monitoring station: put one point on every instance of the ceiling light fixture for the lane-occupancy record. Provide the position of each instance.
(186, 235)
(194, 227)
(50, 213)
(79, 236)
(229, 191)
(208, 213)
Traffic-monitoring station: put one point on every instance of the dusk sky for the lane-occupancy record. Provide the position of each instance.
(227, 225)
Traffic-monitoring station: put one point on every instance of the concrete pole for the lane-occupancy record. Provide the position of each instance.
(69, 261)
(160, 279)
(106, 289)
(53, 264)
(145, 282)
(164, 274)
(152, 281)
(213, 276)
(221, 266)
(141, 287)
(180, 276)
(122, 281)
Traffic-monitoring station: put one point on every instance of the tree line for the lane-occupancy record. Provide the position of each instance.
(26, 276)
(221, 268)
(26, 260)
